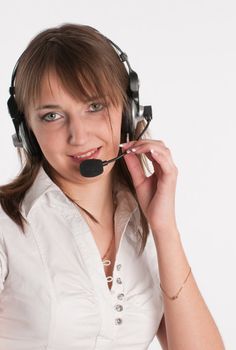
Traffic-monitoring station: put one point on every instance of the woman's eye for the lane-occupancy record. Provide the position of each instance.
(96, 107)
(50, 117)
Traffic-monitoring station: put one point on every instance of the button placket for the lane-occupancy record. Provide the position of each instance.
(119, 280)
(119, 295)
(118, 267)
(118, 307)
(118, 321)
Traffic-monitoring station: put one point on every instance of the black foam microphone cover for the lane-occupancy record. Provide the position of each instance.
(91, 167)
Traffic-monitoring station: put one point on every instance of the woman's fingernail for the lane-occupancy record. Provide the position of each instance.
(128, 151)
(133, 149)
(152, 150)
(121, 144)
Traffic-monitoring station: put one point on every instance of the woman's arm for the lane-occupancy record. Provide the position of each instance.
(189, 324)
(161, 334)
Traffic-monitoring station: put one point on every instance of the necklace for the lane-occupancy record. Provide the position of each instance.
(107, 262)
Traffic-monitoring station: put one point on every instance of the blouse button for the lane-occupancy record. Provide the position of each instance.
(118, 280)
(118, 307)
(118, 267)
(118, 321)
(120, 296)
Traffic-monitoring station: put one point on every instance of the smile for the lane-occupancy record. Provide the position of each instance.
(87, 154)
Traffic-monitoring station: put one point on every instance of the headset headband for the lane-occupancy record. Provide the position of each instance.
(138, 112)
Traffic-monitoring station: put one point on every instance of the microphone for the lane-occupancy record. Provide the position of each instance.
(94, 167)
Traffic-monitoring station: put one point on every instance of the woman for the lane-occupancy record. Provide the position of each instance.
(79, 267)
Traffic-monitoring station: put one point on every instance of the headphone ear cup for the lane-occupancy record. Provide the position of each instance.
(24, 137)
(12, 108)
(29, 142)
(128, 125)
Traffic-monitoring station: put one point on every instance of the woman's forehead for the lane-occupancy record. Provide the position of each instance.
(81, 89)
(52, 89)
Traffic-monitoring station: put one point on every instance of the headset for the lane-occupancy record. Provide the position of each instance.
(25, 138)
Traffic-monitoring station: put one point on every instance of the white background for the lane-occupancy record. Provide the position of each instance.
(185, 54)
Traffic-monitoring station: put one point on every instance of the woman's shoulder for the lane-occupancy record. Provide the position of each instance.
(6, 223)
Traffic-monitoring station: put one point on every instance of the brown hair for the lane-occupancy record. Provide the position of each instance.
(87, 65)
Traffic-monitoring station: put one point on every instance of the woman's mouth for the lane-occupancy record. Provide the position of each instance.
(79, 157)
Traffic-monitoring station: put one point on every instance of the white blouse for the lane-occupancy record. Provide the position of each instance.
(54, 293)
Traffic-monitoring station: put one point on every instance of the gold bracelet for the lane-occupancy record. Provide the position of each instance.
(177, 294)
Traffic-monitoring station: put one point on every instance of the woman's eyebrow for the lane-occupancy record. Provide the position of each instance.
(94, 98)
(47, 107)
(90, 99)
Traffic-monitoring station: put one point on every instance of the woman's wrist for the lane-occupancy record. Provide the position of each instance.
(168, 233)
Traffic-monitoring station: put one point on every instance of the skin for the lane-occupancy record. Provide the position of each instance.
(75, 127)
(187, 323)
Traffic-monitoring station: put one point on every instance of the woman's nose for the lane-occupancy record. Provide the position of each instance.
(77, 131)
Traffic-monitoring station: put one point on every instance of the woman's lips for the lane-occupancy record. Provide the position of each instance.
(79, 157)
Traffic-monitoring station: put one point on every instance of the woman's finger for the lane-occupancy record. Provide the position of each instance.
(135, 168)
(156, 154)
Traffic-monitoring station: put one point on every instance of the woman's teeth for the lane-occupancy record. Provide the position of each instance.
(88, 154)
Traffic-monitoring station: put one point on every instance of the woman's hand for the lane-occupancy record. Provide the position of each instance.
(156, 192)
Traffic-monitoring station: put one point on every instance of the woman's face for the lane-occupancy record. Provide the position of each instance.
(69, 130)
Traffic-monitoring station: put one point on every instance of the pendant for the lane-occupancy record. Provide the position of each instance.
(106, 262)
(109, 279)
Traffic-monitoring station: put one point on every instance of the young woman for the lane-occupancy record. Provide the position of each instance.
(91, 260)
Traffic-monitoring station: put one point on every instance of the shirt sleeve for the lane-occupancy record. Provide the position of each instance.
(3, 263)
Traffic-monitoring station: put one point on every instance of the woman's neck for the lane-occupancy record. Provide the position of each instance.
(95, 197)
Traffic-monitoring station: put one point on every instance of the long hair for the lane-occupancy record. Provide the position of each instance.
(87, 65)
